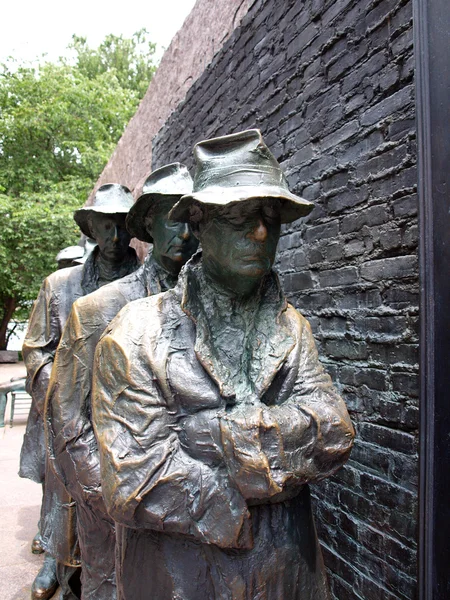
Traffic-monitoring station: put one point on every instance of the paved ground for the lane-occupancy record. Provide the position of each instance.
(20, 501)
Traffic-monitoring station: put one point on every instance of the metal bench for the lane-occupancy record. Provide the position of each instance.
(20, 403)
(16, 384)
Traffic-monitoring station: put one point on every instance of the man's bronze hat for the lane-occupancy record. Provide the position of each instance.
(236, 168)
(70, 254)
(110, 199)
(169, 181)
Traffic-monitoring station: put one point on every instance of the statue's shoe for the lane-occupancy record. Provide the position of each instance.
(36, 544)
(46, 582)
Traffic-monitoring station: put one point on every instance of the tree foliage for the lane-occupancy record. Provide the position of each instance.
(59, 124)
(131, 60)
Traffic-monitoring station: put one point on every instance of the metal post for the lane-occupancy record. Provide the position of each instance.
(432, 43)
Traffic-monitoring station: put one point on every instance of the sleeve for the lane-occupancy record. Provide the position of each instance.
(40, 344)
(70, 437)
(148, 480)
(272, 450)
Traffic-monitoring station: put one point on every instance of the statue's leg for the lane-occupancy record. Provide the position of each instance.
(46, 581)
(69, 580)
(97, 538)
(37, 543)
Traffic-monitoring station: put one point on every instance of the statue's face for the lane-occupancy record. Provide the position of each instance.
(111, 236)
(173, 243)
(239, 242)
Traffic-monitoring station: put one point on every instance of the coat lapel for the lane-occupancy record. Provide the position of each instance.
(271, 342)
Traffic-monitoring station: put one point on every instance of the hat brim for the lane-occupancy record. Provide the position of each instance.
(81, 216)
(292, 207)
(135, 222)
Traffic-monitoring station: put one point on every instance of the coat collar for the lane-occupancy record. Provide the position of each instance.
(271, 340)
(90, 276)
(156, 278)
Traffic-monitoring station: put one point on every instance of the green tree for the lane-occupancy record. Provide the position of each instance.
(59, 124)
(131, 60)
(31, 231)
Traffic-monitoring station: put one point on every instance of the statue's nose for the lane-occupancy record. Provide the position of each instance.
(185, 233)
(259, 233)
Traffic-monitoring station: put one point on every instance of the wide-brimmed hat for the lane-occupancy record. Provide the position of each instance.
(171, 180)
(89, 246)
(70, 254)
(110, 198)
(239, 167)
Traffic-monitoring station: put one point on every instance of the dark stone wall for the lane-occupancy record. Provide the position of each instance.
(331, 86)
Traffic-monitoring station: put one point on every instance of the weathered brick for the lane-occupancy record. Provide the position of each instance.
(344, 349)
(406, 383)
(346, 61)
(384, 327)
(374, 215)
(388, 438)
(385, 161)
(402, 42)
(346, 199)
(390, 238)
(393, 354)
(338, 277)
(301, 281)
(401, 127)
(337, 137)
(389, 268)
(358, 299)
(366, 69)
(406, 206)
(320, 232)
(398, 101)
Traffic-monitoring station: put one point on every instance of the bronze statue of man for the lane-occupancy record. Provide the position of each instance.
(211, 409)
(105, 222)
(72, 446)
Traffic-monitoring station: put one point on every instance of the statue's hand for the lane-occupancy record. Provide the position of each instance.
(199, 435)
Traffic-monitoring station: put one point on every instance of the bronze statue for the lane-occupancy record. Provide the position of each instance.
(112, 258)
(67, 257)
(217, 413)
(72, 446)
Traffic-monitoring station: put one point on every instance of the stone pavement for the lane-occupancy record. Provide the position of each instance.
(20, 501)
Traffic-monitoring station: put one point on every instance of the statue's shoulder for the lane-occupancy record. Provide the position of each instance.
(141, 319)
(296, 320)
(110, 298)
(61, 278)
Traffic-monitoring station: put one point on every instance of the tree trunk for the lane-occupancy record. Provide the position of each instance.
(8, 310)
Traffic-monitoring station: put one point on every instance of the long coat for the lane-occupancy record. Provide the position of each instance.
(48, 318)
(71, 443)
(209, 494)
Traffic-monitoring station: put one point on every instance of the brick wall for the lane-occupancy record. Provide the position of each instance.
(330, 84)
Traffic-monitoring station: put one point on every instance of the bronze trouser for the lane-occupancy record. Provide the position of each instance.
(69, 580)
(97, 539)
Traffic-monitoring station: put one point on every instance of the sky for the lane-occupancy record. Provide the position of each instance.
(34, 27)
